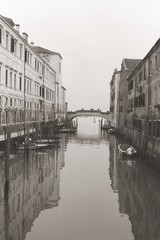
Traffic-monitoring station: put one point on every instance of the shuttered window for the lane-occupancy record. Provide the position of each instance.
(12, 44)
(25, 57)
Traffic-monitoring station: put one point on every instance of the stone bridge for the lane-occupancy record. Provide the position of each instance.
(88, 113)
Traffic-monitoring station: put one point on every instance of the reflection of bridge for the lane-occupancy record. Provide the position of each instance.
(88, 113)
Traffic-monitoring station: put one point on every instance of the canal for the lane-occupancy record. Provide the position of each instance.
(81, 190)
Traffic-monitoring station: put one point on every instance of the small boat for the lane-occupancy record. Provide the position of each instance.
(127, 149)
(33, 146)
(68, 130)
(111, 130)
(49, 141)
(105, 127)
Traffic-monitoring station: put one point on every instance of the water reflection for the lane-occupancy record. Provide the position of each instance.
(34, 179)
(138, 192)
(103, 196)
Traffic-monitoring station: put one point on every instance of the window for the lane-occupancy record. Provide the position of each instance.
(144, 73)
(28, 58)
(20, 51)
(43, 91)
(150, 67)
(47, 73)
(12, 44)
(7, 40)
(30, 87)
(38, 66)
(10, 79)
(25, 57)
(11, 102)
(15, 81)
(156, 63)
(6, 77)
(20, 83)
(6, 101)
(40, 91)
(15, 47)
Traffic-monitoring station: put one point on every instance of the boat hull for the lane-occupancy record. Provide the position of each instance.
(127, 150)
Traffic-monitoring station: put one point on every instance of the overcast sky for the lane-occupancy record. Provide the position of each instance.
(93, 36)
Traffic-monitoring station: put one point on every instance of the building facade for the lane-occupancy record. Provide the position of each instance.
(114, 99)
(144, 105)
(127, 66)
(54, 59)
(27, 81)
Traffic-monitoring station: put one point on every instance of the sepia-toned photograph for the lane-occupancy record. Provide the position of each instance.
(79, 120)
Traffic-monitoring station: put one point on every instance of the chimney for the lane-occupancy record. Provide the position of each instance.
(25, 36)
(32, 44)
(17, 27)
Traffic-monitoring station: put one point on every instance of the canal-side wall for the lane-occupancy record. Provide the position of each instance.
(22, 132)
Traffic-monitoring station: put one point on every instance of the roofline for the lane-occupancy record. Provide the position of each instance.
(49, 51)
(146, 56)
(25, 42)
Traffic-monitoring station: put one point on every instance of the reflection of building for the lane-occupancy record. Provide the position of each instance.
(2, 219)
(136, 195)
(113, 158)
(33, 187)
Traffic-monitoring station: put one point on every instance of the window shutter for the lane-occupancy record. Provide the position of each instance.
(12, 44)
(25, 55)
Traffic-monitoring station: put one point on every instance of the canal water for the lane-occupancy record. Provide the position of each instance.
(81, 190)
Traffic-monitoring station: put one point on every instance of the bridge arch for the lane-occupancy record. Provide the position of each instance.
(88, 113)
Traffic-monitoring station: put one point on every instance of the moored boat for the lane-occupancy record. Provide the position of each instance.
(105, 127)
(34, 146)
(68, 130)
(49, 141)
(111, 130)
(127, 149)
